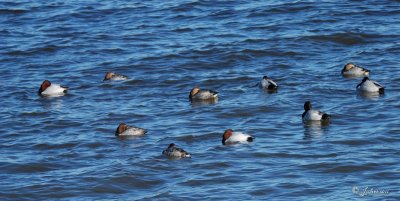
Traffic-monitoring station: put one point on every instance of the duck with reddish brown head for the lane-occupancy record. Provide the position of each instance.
(352, 70)
(49, 89)
(230, 137)
(114, 76)
(125, 130)
(175, 152)
(197, 94)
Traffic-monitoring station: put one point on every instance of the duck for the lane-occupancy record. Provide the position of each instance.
(49, 89)
(202, 94)
(230, 137)
(267, 83)
(114, 77)
(368, 85)
(351, 69)
(313, 115)
(125, 130)
(175, 152)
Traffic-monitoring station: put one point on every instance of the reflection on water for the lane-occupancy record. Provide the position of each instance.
(52, 103)
(270, 91)
(314, 129)
(204, 102)
(352, 76)
(368, 95)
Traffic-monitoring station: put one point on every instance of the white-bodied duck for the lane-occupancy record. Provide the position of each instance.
(352, 70)
(114, 76)
(268, 84)
(49, 89)
(313, 115)
(202, 94)
(230, 137)
(125, 130)
(368, 85)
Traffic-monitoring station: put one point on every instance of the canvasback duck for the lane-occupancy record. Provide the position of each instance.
(231, 137)
(114, 76)
(368, 85)
(202, 94)
(352, 70)
(49, 89)
(125, 130)
(267, 83)
(175, 152)
(313, 115)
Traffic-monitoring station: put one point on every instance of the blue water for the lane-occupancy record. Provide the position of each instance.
(64, 148)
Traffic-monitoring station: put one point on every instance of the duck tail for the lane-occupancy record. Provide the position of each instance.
(250, 139)
(272, 87)
(325, 117)
(382, 90)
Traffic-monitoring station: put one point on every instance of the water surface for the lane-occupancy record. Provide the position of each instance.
(65, 148)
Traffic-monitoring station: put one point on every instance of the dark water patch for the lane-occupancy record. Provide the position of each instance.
(30, 52)
(48, 146)
(197, 137)
(29, 167)
(346, 38)
(183, 30)
(213, 165)
(265, 191)
(13, 11)
(258, 53)
(358, 142)
(289, 155)
(33, 114)
(62, 124)
(218, 180)
(352, 168)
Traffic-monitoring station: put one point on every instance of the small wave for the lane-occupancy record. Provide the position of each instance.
(46, 146)
(352, 168)
(346, 38)
(33, 51)
(182, 30)
(13, 11)
(33, 167)
(254, 52)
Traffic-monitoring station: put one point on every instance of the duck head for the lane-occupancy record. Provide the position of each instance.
(227, 135)
(348, 66)
(44, 86)
(194, 91)
(108, 76)
(171, 145)
(121, 128)
(307, 106)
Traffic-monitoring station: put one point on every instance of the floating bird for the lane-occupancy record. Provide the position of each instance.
(175, 152)
(202, 94)
(267, 83)
(368, 85)
(352, 70)
(313, 115)
(231, 137)
(114, 76)
(125, 130)
(48, 89)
